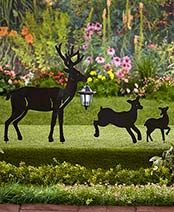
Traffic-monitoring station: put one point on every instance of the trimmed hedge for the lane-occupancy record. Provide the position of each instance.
(88, 195)
(65, 173)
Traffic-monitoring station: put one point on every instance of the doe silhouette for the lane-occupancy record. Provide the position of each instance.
(160, 123)
(46, 99)
(125, 119)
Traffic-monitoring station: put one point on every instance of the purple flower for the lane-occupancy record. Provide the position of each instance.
(100, 60)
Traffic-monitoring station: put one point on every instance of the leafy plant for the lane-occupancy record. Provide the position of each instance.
(145, 66)
(12, 11)
(166, 160)
(35, 45)
(68, 174)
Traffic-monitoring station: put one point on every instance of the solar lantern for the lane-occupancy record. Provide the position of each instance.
(86, 96)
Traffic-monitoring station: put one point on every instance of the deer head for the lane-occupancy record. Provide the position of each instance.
(74, 74)
(135, 103)
(163, 110)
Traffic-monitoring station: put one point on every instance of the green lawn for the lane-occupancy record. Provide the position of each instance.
(114, 146)
(75, 114)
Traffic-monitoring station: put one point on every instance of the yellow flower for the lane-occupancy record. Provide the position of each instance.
(93, 73)
(103, 78)
(99, 76)
(111, 75)
(89, 79)
(110, 70)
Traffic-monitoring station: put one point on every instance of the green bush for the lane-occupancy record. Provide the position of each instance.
(68, 174)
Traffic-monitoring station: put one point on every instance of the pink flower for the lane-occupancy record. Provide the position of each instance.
(100, 60)
(152, 46)
(85, 46)
(90, 26)
(126, 59)
(116, 61)
(107, 66)
(120, 74)
(10, 73)
(110, 51)
(126, 66)
(7, 65)
(97, 27)
(88, 35)
(1, 69)
(89, 60)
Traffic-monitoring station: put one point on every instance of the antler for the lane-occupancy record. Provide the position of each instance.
(67, 58)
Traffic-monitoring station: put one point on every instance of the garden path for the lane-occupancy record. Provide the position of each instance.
(63, 208)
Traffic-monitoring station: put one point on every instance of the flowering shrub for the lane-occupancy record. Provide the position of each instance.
(10, 80)
(49, 79)
(105, 67)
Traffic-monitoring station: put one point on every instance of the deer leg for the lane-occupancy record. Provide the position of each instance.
(137, 131)
(15, 124)
(101, 123)
(60, 117)
(96, 134)
(168, 130)
(53, 123)
(131, 134)
(13, 117)
(148, 132)
(163, 136)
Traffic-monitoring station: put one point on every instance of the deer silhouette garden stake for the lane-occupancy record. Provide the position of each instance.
(125, 119)
(46, 99)
(159, 123)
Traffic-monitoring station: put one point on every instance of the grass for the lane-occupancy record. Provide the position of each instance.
(113, 147)
(75, 114)
(83, 195)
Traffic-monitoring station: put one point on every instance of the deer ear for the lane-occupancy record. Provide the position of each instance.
(129, 101)
(160, 108)
(167, 108)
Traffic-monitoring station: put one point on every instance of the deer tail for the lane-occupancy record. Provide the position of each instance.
(101, 108)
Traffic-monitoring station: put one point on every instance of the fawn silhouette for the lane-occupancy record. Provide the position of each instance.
(160, 123)
(46, 99)
(125, 119)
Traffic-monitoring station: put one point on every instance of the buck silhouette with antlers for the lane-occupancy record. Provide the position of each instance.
(46, 99)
